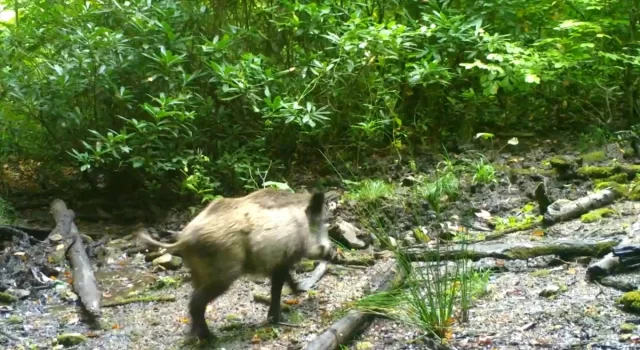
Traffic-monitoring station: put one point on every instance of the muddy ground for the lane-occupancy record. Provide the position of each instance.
(510, 315)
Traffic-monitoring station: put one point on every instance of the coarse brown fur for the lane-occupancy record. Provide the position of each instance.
(264, 233)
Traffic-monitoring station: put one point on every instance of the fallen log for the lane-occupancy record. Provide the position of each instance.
(315, 276)
(563, 210)
(84, 282)
(610, 262)
(36, 235)
(139, 299)
(355, 321)
(565, 249)
(12, 231)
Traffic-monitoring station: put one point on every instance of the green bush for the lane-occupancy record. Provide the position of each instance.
(159, 91)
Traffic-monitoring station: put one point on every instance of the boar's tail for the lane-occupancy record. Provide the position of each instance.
(144, 236)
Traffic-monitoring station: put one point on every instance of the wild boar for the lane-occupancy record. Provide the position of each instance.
(263, 233)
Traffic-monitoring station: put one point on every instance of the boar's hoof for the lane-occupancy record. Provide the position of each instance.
(202, 333)
(274, 318)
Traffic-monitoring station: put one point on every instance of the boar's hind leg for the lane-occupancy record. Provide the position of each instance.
(278, 278)
(198, 304)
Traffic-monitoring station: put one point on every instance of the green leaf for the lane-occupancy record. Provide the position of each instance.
(532, 78)
(484, 135)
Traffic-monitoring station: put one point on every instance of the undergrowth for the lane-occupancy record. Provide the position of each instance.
(6, 212)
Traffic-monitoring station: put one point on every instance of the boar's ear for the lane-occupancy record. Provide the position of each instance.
(316, 205)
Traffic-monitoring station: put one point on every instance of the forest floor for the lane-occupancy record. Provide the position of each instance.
(511, 314)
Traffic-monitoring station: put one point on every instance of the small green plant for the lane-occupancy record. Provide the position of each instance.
(521, 221)
(197, 182)
(596, 136)
(369, 191)
(484, 173)
(434, 192)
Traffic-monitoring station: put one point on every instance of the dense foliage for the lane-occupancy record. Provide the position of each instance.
(205, 97)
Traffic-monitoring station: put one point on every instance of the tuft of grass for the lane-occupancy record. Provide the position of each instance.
(433, 192)
(596, 136)
(369, 191)
(484, 173)
(434, 295)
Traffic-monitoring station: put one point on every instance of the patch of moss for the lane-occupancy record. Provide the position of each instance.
(598, 172)
(6, 298)
(559, 163)
(630, 169)
(630, 301)
(71, 339)
(513, 224)
(14, 319)
(617, 178)
(628, 191)
(523, 171)
(597, 215)
(594, 157)
(307, 265)
(627, 327)
(166, 282)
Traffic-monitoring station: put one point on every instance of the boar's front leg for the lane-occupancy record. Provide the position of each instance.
(278, 278)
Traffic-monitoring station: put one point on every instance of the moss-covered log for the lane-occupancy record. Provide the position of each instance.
(560, 211)
(601, 172)
(565, 249)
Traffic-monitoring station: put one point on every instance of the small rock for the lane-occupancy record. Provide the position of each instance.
(71, 339)
(409, 239)
(69, 295)
(455, 218)
(107, 254)
(627, 327)
(364, 345)
(484, 341)
(528, 326)
(151, 256)
(392, 242)
(55, 238)
(168, 261)
(550, 290)
(19, 293)
(349, 233)
(625, 337)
